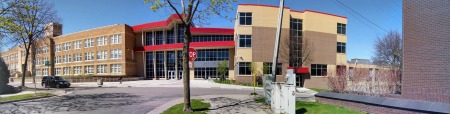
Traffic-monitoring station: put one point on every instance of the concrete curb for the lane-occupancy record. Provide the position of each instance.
(171, 103)
(36, 98)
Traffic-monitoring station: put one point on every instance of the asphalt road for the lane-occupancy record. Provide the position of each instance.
(132, 100)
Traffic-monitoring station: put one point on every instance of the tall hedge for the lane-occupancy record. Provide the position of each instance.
(4, 73)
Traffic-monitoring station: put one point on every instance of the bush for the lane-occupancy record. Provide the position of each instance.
(4, 74)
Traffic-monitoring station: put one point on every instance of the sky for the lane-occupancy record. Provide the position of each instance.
(78, 15)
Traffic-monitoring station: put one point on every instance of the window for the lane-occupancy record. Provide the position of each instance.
(89, 69)
(88, 43)
(340, 47)
(116, 54)
(101, 41)
(341, 70)
(45, 72)
(37, 61)
(44, 49)
(66, 70)
(160, 72)
(57, 59)
(77, 70)
(212, 55)
(44, 60)
(212, 38)
(244, 68)
(66, 46)
(77, 44)
(341, 28)
(318, 69)
(180, 33)
(170, 37)
(101, 55)
(58, 47)
(67, 58)
(149, 38)
(101, 69)
(245, 18)
(77, 57)
(269, 68)
(57, 71)
(245, 40)
(116, 68)
(89, 56)
(38, 72)
(159, 37)
(296, 27)
(116, 39)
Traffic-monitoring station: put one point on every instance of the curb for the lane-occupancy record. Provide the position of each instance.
(35, 98)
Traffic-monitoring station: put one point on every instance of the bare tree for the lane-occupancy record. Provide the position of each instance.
(30, 19)
(388, 52)
(297, 50)
(198, 10)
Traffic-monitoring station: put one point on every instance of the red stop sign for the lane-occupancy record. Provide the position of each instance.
(192, 54)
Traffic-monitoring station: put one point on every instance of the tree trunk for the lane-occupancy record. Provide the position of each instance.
(186, 74)
(24, 68)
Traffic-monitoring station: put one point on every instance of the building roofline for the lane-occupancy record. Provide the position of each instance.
(313, 11)
(88, 30)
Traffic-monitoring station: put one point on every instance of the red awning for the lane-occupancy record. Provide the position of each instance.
(302, 70)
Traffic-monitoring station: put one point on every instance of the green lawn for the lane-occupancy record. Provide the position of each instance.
(197, 105)
(319, 90)
(319, 108)
(233, 82)
(25, 96)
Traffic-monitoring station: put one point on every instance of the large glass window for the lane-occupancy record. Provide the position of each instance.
(102, 55)
(340, 47)
(149, 66)
(210, 58)
(180, 60)
(67, 58)
(245, 18)
(318, 69)
(170, 37)
(77, 70)
(66, 46)
(245, 40)
(66, 71)
(160, 65)
(159, 37)
(244, 68)
(269, 68)
(212, 55)
(57, 59)
(295, 49)
(211, 38)
(180, 33)
(170, 60)
(341, 28)
(77, 44)
(57, 71)
(89, 56)
(77, 57)
(149, 38)
(57, 48)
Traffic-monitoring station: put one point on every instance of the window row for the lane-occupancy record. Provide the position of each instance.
(79, 70)
(88, 56)
(88, 43)
(11, 57)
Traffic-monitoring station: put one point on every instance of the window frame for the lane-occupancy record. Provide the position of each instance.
(341, 47)
(246, 16)
(244, 38)
(315, 67)
(246, 66)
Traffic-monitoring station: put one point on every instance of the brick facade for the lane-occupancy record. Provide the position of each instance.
(426, 50)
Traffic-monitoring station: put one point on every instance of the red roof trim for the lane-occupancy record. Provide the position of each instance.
(156, 24)
(180, 45)
(213, 30)
(293, 10)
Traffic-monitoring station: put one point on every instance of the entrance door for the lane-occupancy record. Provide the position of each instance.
(171, 75)
(180, 74)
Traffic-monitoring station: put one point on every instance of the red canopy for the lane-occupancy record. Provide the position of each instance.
(302, 70)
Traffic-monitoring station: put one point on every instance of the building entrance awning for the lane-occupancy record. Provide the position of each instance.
(302, 70)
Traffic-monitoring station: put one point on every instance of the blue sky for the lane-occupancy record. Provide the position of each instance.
(80, 15)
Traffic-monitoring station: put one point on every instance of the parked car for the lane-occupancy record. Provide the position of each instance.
(54, 81)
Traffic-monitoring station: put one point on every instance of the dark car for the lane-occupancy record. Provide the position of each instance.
(54, 81)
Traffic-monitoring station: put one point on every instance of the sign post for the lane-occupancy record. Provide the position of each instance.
(192, 56)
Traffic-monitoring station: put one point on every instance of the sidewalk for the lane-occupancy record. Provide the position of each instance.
(223, 104)
(165, 83)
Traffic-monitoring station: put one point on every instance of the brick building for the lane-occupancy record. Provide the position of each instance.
(426, 39)
(153, 50)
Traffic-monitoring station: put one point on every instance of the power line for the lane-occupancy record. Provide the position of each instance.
(361, 15)
(357, 18)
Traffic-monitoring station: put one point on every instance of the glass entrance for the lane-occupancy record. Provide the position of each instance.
(171, 75)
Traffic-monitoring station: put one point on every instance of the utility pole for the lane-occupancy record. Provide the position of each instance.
(277, 41)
